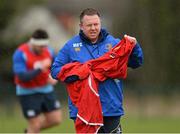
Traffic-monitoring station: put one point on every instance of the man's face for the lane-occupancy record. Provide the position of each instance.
(91, 26)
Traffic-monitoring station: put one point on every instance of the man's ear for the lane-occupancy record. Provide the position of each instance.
(80, 26)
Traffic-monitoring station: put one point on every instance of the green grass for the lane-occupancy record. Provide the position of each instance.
(14, 122)
(151, 124)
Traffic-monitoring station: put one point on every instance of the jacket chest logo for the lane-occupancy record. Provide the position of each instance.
(77, 46)
(108, 46)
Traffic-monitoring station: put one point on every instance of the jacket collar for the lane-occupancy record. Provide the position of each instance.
(103, 34)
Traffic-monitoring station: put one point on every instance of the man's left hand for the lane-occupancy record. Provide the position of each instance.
(131, 39)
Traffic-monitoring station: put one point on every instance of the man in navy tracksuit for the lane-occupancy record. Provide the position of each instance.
(91, 43)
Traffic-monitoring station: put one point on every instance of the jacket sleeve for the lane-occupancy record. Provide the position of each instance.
(136, 58)
(61, 59)
(19, 64)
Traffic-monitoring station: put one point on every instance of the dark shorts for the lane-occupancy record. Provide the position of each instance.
(35, 104)
(111, 125)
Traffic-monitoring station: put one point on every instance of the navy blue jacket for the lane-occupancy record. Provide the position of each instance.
(80, 49)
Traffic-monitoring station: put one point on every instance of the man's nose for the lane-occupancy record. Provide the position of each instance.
(93, 27)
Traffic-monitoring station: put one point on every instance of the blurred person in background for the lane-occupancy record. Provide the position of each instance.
(34, 84)
(92, 42)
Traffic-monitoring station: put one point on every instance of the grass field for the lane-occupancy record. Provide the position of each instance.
(151, 125)
(13, 122)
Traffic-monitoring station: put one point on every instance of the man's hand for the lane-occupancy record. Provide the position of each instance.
(43, 65)
(51, 80)
(46, 63)
(131, 39)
